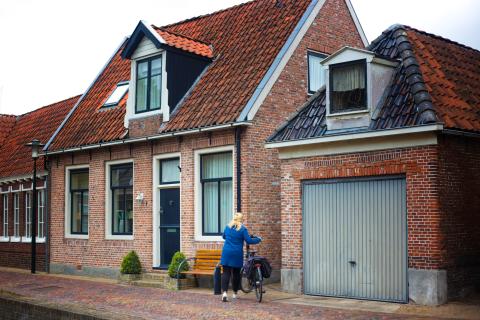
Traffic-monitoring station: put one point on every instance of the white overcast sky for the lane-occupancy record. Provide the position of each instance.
(53, 49)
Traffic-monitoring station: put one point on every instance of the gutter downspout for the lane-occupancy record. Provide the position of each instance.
(238, 149)
(47, 215)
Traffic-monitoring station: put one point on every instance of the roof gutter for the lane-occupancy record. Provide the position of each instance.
(461, 133)
(70, 113)
(355, 136)
(149, 138)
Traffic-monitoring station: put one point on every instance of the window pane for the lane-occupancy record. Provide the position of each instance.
(85, 212)
(142, 70)
(40, 213)
(141, 95)
(210, 207)
(129, 211)
(77, 212)
(117, 94)
(79, 180)
(348, 87)
(122, 211)
(170, 171)
(316, 72)
(28, 215)
(226, 209)
(155, 92)
(156, 66)
(217, 165)
(122, 176)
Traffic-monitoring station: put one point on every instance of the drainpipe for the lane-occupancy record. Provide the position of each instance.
(47, 215)
(239, 167)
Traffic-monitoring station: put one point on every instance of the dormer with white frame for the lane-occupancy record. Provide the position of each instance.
(162, 71)
(355, 82)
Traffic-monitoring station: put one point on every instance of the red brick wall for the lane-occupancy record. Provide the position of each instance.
(144, 126)
(459, 179)
(332, 29)
(419, 165)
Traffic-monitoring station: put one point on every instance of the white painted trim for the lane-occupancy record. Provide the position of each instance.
(26, 239)
(357, 23)
(67, 213)
(8, 190)
(108, 201)
(22, 177)
(15, 239)
(40, 240)
(4, 239)
(361, 145)
(156, 188)
(198, 193)
(152, 31)
(29, 240)
(284, 56)
(354, 136)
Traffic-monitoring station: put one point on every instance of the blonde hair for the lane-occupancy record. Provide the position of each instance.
(236, 221)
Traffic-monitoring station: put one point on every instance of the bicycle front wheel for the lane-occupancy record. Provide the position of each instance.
(259, 284)
(246, 285)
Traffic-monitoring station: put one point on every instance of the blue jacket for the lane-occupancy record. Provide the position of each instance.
(232, 253)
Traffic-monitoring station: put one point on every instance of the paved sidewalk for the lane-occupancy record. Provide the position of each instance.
(127, 302)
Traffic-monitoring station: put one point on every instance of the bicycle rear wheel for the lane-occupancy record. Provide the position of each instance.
(259, 284)
(246, 285)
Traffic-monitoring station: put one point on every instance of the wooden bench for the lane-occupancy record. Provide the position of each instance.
(204, 263)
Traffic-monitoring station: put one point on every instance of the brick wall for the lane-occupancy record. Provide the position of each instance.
(143, 127)
(332, 29)
(419, 165)
(459, 179)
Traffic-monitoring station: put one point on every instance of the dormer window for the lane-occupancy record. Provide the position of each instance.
(348, 90)
(149, 85)
(117, 94)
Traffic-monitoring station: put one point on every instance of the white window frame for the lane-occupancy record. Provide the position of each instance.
(16, 217)
(157, 188)
(5, 237)
(28, 222)
(108, 201)
(40, 214)
(198, 189)
(68, 207)
(317, 54)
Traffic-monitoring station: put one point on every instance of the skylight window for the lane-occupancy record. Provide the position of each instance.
(117, 94)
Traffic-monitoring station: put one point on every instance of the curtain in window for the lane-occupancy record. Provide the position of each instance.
(217, 166)
(16, 215)
(41, 213)
(349, 77)
(170, 171)
(156, 84)
(142, 87)
(226, 208)
(210, 201)
(5, 215)
(28, 215)
(316, 73)
(348, 90)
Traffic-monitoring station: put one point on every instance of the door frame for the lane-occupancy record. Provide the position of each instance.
(303, 183)
(156, 189)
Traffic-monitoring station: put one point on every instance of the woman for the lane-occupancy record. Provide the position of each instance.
(232, 254)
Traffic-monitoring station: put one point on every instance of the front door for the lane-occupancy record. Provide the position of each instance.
(169, 225)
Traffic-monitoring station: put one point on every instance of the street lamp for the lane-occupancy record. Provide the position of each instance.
(35, 145)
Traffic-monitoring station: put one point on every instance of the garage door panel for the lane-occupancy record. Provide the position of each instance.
(355, 238)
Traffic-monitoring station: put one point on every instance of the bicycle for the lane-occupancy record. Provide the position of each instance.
(254, 280)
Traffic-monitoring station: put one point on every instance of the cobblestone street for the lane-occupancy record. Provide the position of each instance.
(126, 302)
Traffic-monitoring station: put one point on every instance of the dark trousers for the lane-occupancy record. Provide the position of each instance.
(235, 274)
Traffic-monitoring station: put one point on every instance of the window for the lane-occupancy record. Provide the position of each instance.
(169, 171)
(117, 94)
(16, 215)
(149, 85)
(216, 180)
(316, 72)
(5, 215)
(121, 186)
(79, 201)
(28, 215)
(348, 87)
(41, 213)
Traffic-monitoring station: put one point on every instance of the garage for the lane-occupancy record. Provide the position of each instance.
(355, 238)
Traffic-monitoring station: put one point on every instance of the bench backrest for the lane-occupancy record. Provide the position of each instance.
(207, 259)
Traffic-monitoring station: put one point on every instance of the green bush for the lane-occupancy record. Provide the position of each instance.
(131, 264)
(177, 258)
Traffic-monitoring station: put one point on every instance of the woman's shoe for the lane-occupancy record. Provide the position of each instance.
(224, 297)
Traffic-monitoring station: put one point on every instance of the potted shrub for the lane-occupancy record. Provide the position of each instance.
(177, 258)
(131, 268)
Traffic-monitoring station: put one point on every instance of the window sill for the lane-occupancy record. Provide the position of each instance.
(76, 236)
(4, 239)
(349, 113)
(15, 239)
(29, 240)
(209, 238)
(119, 237)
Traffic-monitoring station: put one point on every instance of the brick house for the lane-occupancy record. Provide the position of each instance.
(16, 183)
(168, 141)
(380, 173)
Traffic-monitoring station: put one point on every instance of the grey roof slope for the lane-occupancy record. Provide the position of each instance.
(406, 101)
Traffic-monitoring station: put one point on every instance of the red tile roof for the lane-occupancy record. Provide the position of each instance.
(15, 157)
(185, 43)
(452, 75)
(6, 124)
(245, 38)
